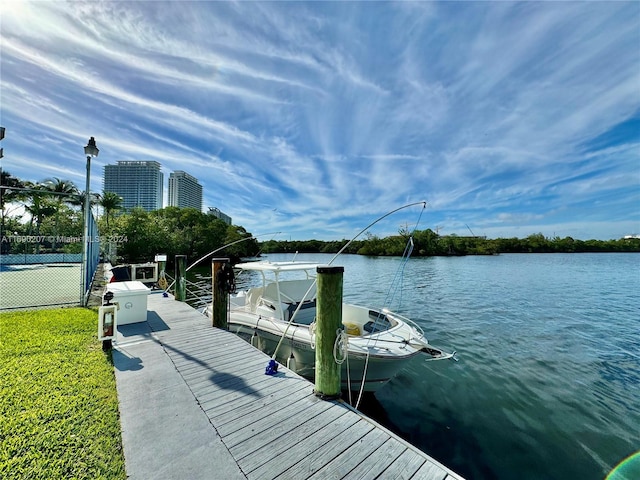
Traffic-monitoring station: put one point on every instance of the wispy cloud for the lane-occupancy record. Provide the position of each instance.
(314, 118)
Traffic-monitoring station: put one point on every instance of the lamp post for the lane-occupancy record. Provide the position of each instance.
(90, 151)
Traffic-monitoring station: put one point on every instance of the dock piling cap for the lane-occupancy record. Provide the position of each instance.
(329, 269)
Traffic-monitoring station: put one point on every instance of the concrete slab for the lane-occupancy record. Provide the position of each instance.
(165, 433)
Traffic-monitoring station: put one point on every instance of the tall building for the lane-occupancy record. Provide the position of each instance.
(138, 183)
(218, 214)
(184, 191)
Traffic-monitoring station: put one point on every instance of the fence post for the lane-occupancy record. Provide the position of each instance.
(181, 278)
(220, 292)
(328, 321)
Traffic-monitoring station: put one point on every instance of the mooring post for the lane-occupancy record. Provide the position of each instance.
(181, 278)
(161, 267)
(328, 322)
(221, 280)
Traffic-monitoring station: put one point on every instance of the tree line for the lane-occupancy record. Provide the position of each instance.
(53, 210)
(428, 243)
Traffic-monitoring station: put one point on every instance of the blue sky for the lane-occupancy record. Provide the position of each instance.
(314, 119)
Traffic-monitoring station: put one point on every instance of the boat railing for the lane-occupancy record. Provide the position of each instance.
(407, 320)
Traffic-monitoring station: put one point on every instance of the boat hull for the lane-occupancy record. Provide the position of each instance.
(265, 334)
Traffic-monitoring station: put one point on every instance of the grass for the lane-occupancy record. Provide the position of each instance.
(58, 405)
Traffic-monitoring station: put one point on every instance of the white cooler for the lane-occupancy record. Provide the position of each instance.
(132, 299)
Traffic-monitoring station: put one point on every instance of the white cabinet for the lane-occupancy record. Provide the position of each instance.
(132, 301)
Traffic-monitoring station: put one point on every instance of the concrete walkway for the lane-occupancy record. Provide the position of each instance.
(165, 433)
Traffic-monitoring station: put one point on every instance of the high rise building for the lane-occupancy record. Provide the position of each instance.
(184, 191)
(218, 214)
(138, 183)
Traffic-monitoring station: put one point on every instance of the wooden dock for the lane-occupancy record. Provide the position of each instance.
(273, 427)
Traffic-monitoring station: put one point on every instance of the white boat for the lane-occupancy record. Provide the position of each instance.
(380, 342)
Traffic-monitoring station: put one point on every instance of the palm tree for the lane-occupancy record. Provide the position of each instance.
(63, 191)
(111, 202)
(38, 208)
(78, 200)
(9, 192)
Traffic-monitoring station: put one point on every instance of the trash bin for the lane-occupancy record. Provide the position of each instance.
(132, 300)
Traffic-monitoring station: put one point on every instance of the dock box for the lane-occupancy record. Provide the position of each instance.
(132, 300)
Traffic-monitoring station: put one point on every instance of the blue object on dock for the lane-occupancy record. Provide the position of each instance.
(272, 368)
(165, 294)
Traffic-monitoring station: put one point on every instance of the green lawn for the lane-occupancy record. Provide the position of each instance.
(58, 405)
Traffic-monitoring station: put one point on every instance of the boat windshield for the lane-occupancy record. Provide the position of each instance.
(291, 291)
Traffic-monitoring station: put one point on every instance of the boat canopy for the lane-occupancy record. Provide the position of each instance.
(277, 267)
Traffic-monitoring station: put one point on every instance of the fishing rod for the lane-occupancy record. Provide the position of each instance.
(424, 205)
(252, 237)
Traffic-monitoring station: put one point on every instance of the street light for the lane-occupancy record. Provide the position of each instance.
(90, 151)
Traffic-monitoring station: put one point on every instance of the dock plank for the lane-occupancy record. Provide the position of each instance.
(250, 458)
(405, 466)
(378, 463)
(252, 421)
(261, 423)
(356, 454)
(432, 471)
(210, 357)
(273, 426)
(251, 383)
(267, 402)
(209, 349)
(239, 368)
(289, 457)
(233, 396)
(219, 409)
(203, 353)
(324, 453)
(265, 441)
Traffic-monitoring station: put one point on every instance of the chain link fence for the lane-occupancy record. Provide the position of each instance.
(39, 270)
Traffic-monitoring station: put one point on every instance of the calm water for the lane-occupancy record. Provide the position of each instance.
(548, 382)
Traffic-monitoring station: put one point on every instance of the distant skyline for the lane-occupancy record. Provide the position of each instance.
(139, 184)
(315, 118)
(184, 190)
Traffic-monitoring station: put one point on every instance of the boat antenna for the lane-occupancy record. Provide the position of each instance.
(424, 205)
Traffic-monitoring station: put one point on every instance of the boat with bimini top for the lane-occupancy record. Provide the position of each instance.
(279, 317)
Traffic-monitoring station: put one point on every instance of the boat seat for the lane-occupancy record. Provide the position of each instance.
(253, 295)
(305, 316)
(380, 323)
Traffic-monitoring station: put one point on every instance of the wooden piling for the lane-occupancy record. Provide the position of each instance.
(220, 292)
(328, 321)
(162, 280)
(181, 278)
